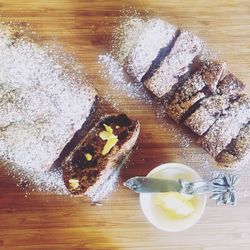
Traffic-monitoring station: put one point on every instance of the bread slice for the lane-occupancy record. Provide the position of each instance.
(156, 35)
(178, 111)
(186, 47)
(91, 173)
(238, 151)
(212, 107)
(208, 112)
(230, 85)
(197, 87)
(227, 126)
(41, 104)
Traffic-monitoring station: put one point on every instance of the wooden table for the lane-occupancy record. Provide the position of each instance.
(46, 221)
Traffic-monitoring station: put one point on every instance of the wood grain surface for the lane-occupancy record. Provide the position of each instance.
(46, 221)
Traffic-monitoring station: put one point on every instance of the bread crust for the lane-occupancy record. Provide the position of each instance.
(186, 47)
(238, 150)
(230, 85)
(156, 35)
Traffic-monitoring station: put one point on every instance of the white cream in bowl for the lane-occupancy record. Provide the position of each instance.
(172, 211)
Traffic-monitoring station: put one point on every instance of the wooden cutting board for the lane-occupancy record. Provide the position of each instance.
(46, 221)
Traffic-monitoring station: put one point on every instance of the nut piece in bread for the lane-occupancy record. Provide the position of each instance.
(93, 174)
(157, 34)
(186, 47)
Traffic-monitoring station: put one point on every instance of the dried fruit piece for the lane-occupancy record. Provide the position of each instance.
(104, 135)
(107, 133)
(88, 156)
(110, 137)
(109, 145)
(73, 184)
(108, 129)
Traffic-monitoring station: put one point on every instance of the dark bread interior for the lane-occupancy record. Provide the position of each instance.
(77, 167)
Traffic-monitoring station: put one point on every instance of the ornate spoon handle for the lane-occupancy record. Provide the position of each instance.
(221, 187)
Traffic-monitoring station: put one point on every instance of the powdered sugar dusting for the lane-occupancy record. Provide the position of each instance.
(43, 103)
(107, 188)
(109, 184)
(119, 81)
(130, 27)
(114, 73)
(157, 34)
